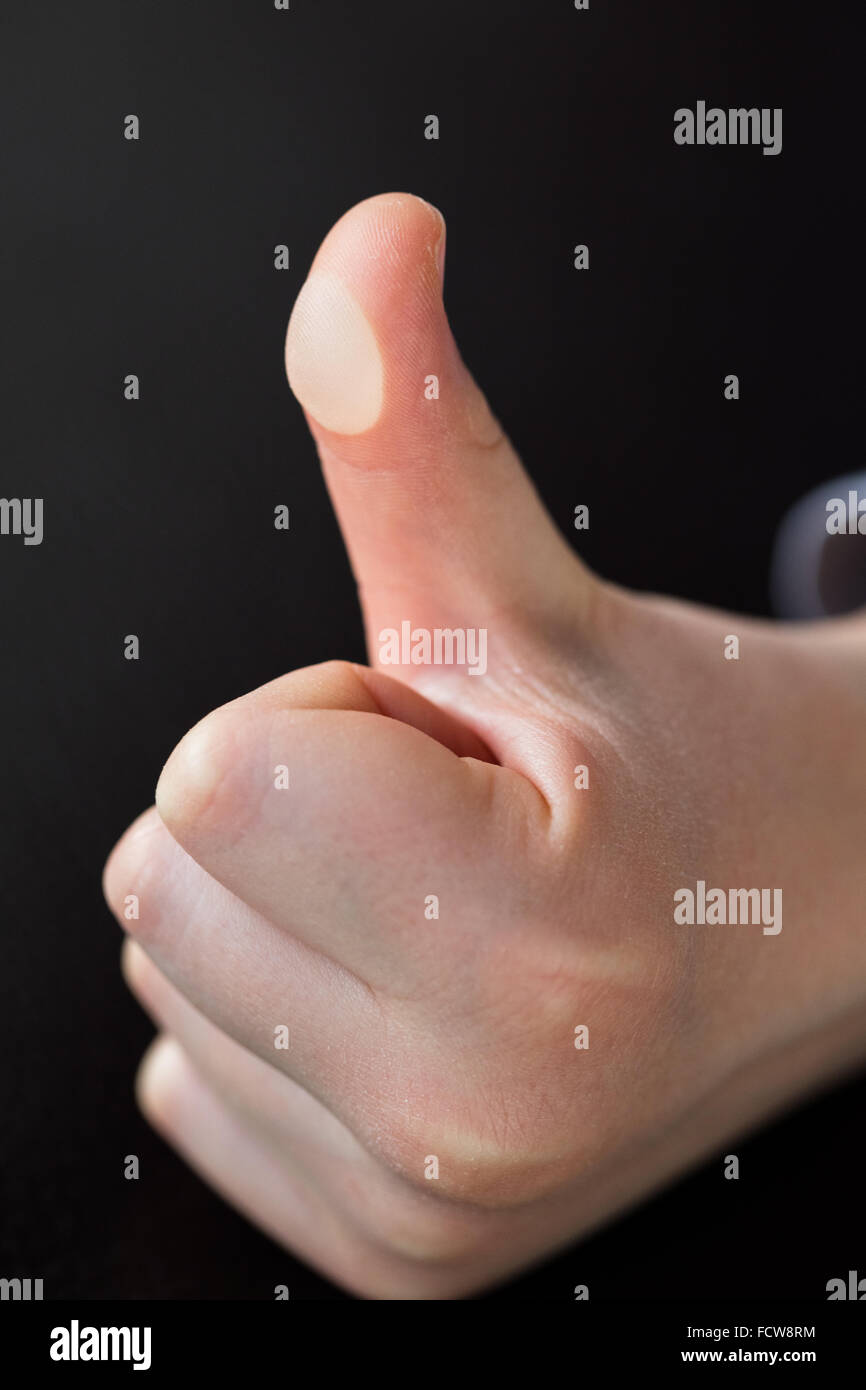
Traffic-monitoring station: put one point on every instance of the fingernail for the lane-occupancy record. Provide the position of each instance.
(332, 357)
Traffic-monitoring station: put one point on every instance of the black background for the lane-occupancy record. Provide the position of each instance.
(260, 127)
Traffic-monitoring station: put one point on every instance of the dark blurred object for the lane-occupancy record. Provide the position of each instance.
(815, 572)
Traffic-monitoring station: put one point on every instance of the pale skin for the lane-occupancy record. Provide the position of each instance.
(453, 1037)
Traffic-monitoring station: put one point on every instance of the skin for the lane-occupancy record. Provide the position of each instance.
(454, 1037)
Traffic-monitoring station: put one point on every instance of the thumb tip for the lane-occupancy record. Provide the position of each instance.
(364, 280)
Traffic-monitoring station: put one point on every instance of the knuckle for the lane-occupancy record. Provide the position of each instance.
(136, 877)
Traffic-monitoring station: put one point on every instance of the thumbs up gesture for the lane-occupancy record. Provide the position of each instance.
(427, 1007)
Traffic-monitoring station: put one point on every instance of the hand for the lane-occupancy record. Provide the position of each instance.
(459, 913)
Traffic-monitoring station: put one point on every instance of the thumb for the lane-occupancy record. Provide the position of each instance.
(442, 524)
